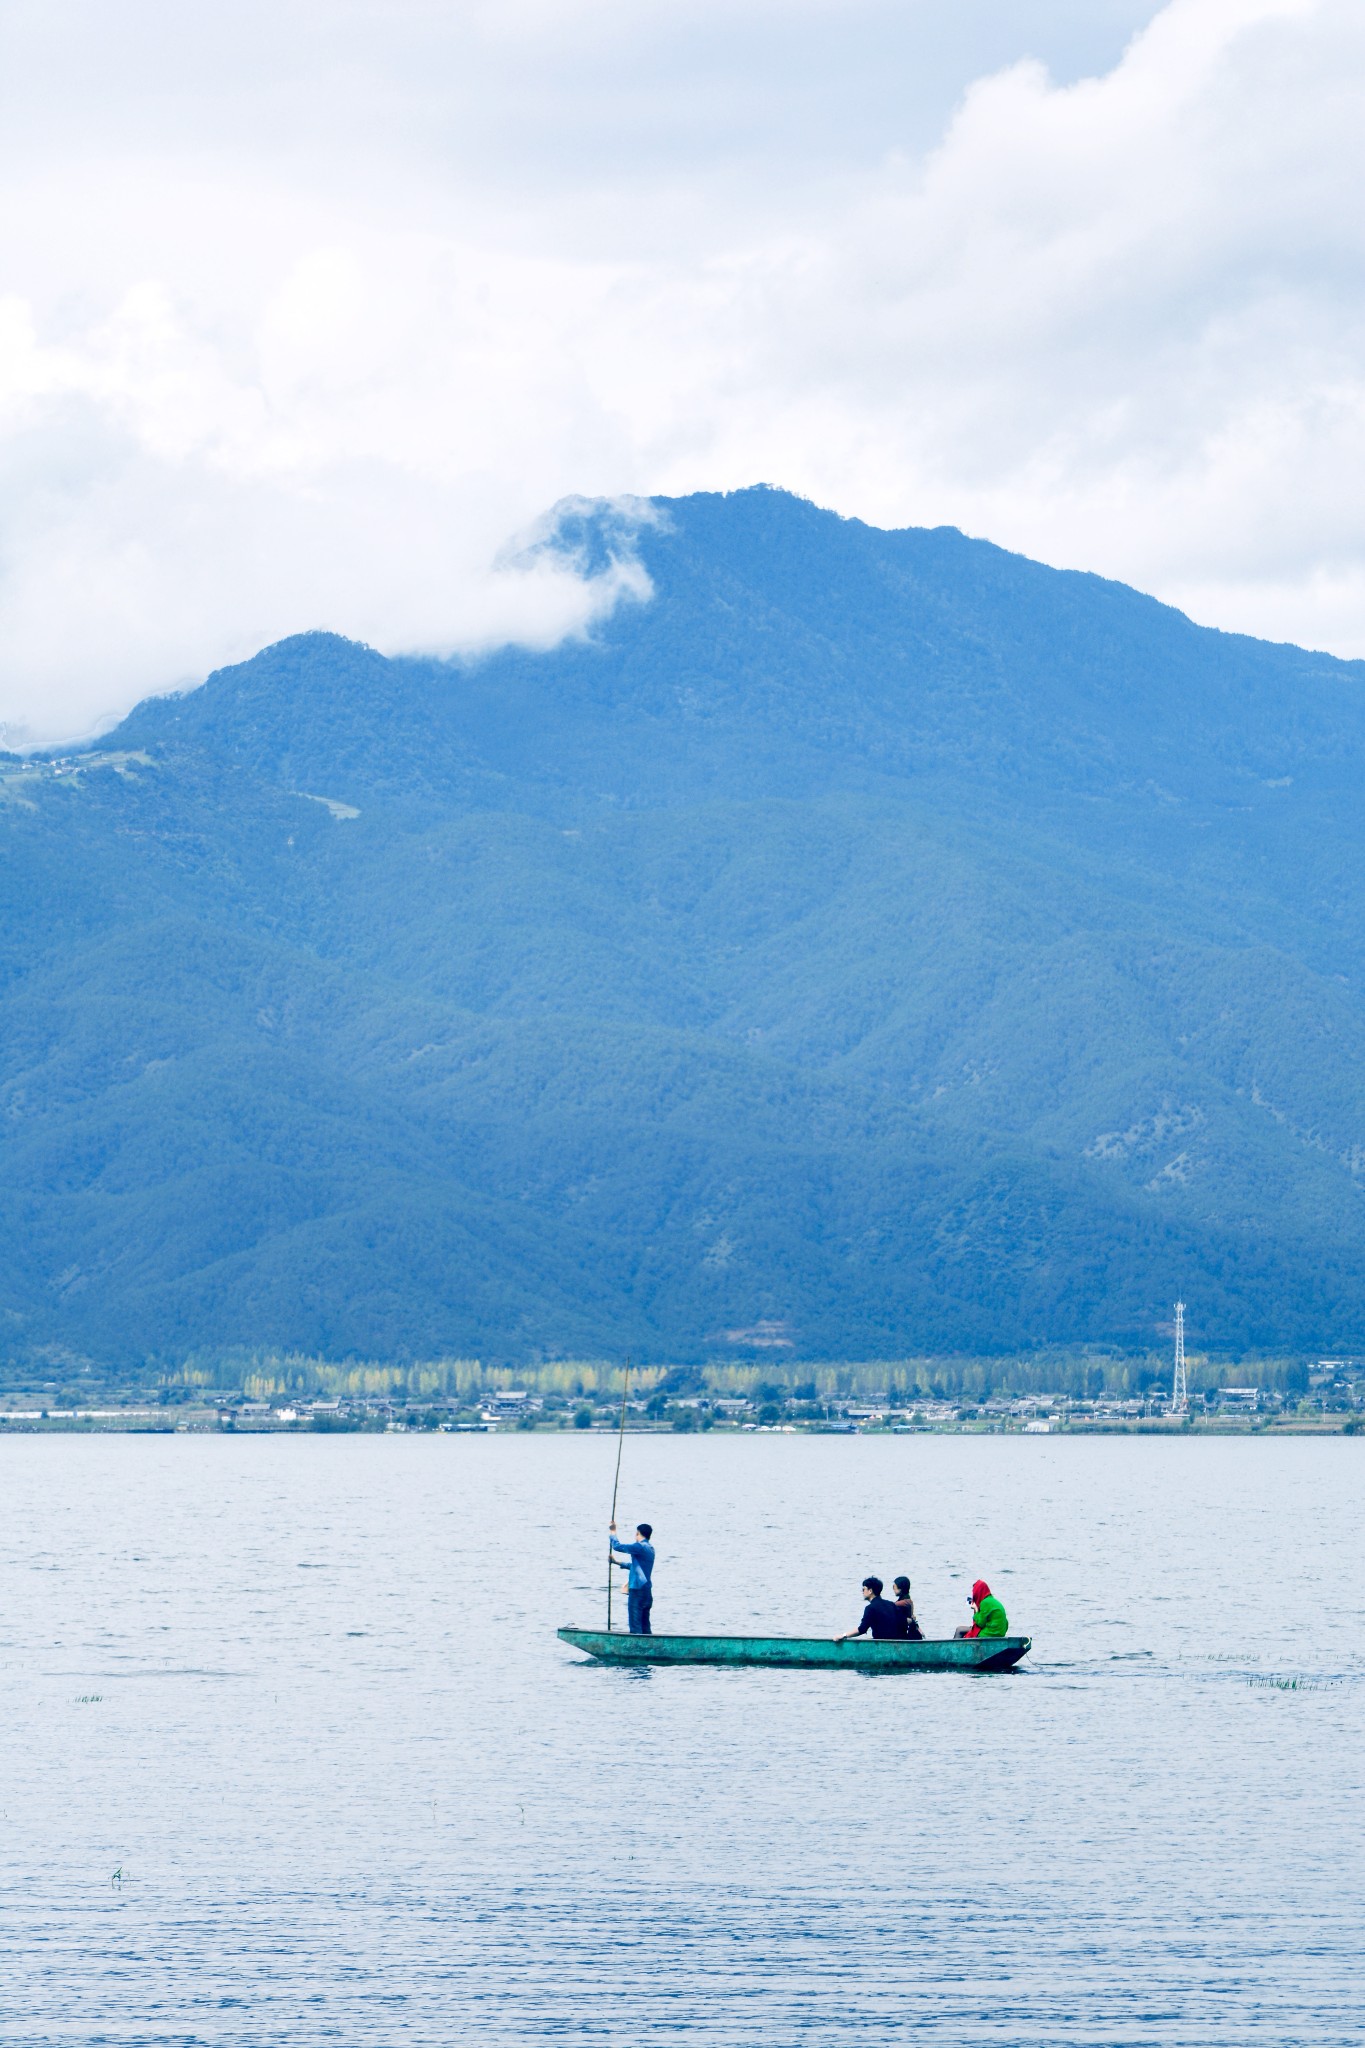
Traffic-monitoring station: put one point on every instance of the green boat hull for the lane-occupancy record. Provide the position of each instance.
(804, 1653)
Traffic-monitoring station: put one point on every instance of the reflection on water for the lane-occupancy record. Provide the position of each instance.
(377, 1801)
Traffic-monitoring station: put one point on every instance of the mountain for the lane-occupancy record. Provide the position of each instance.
(864, 943)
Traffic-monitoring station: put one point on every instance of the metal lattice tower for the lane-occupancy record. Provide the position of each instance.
(1180, 1393)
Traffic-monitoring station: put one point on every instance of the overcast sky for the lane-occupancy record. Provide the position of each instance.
(307, 306)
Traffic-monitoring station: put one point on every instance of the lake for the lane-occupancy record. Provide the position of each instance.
(293, 1754)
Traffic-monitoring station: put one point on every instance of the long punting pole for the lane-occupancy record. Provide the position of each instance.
(615, 1485)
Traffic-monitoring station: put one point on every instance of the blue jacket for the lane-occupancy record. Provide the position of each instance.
(641, 1557)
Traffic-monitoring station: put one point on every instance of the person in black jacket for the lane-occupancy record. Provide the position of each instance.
(882, 1617)
(901, 1587)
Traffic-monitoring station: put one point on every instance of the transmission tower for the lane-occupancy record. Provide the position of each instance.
(1180, 1393)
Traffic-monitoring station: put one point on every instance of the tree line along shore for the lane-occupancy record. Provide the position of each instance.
(1063, 1395)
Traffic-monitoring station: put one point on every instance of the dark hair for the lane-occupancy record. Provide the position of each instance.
(875, 1583)
(902, 1584)
(645, 1529)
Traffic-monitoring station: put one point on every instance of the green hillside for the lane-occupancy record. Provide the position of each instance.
(874, 934)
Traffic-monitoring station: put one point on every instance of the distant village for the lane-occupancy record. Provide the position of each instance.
(1322, 1397)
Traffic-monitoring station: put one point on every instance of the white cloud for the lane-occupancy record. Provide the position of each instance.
(297, 335)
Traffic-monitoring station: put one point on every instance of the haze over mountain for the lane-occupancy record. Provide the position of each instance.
(869, 943)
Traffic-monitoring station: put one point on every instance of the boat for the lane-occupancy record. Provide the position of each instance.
(804, 1653)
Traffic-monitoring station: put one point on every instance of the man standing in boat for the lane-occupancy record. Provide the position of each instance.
(640, 1585)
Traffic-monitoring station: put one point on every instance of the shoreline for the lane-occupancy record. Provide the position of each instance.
(161, 1422)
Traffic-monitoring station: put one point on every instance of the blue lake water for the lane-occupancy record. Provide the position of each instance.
(293, 1754)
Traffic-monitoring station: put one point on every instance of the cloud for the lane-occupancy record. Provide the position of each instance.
(302, 326)
(1120, 324)
(175, 500)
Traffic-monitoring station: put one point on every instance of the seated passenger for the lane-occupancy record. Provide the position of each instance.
(907, 1608)
(882, 1617)
(988, 1616)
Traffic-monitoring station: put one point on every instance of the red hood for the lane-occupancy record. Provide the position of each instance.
(980, 1591)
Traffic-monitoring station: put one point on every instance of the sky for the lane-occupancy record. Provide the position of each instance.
(309, 309)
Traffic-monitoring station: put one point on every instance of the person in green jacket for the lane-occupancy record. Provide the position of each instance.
(988, 1616)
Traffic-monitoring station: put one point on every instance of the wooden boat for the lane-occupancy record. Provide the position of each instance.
(806, 1653)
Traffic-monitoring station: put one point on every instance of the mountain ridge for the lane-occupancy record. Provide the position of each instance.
(874, 933)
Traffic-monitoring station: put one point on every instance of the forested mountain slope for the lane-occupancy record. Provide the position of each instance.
(874, 934)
